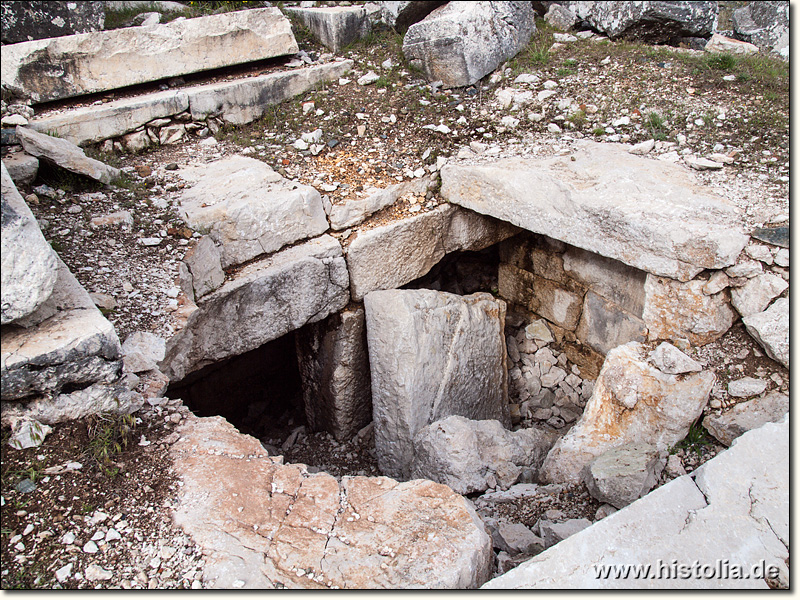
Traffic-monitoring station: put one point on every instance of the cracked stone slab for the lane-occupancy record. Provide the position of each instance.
(266, 299)
(248, 209)
(644, 213)
(264, 525)
(736, 510)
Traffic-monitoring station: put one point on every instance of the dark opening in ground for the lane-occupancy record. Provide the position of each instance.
(258, 392)
(462, 273)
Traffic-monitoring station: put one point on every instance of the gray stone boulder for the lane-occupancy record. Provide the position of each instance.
(473, 456)
(22, 167)
(266, 299)
(67, 341)
(746, 387)
(647, 214)
(765, 24)
(400, 15)
(142, 351)
(204, 265)
(668, 359)
(650, 22)
(334, 368)
(36, 20)
(552, 533)
(771, 329)
(752, 414)
(755, 295)
(66, 155)
(514, 538)
(248, 209)
(334, 26)
(632, 401)
(29, 265)
(461, 42)
(85, 63)
(623, 474)
(560, 17)
(432, 355)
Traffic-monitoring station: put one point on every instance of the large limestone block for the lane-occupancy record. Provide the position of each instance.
(765, 24)
(66, 155)
(604, 325)
(542, 296)
(461, 42)
(432, 355)
(67, 341)
(262, 524)
(248, 209)
(392, 255)
(334, 26)
(35, 20)
(265, 300)
(647, 214)
(472, 456)
(91, 124)
(240, 102)
(734, 515)
(674, 309)
(729, 425)
(771, 329)
(632, 401)
(68, 66)
(334, 368)
(29, 265)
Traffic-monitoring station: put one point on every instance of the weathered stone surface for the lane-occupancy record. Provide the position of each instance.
(392, 255)
(765, 24)
(553, 533)
(632, 401)
(335, 26)
(539, 295)
(755, 295)
(712, 518)
(164, 6)
(652, 22)
(66, 341)
(334, 368)
(746, 387)
(462, 370)
(248, 209)
(472, 456)
(66, 155)
(114, 398)
(92, 124)
(286, 526)
(142, 351)
(752, 414)
(604, 325)
(515, 538)
(68, 66)
(461, 42)
(623, 474)
(28, 433)
(22, 167)
(265, 300)
(647, 214)
(205, 265)
(719, 44)
(771, 329)
(243, 101)
(560, 17)
(668, 359)
(354, 211)
(36, 20)
(29, 265)
(682, 310)
(401, 15)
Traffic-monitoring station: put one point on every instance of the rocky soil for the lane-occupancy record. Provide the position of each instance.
(106, 523)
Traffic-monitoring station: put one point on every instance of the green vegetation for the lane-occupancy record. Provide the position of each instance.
(109, 435)
(656, 125)
(694, 440)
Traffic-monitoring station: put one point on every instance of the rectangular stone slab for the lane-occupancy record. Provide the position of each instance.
(645, 213)
(85, 63)
(265, 300)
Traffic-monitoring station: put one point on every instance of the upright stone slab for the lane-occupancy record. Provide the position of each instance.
(248, 209)
(334, 26)
(29, 265)
(632, 401)
(432, 355)
(265, 300)
(63, 67)
(647, 214)
(461, 42)
(264, 525)
(334, 368)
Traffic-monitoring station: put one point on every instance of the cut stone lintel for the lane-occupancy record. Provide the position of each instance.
(645, 213)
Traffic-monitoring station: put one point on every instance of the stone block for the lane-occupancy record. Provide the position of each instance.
(22, 167)
(205, 266)
(623, 474)
(605, 325)
(771, 329)
(752, 414)
(462, 370)
(334, 26)
(540, 295)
